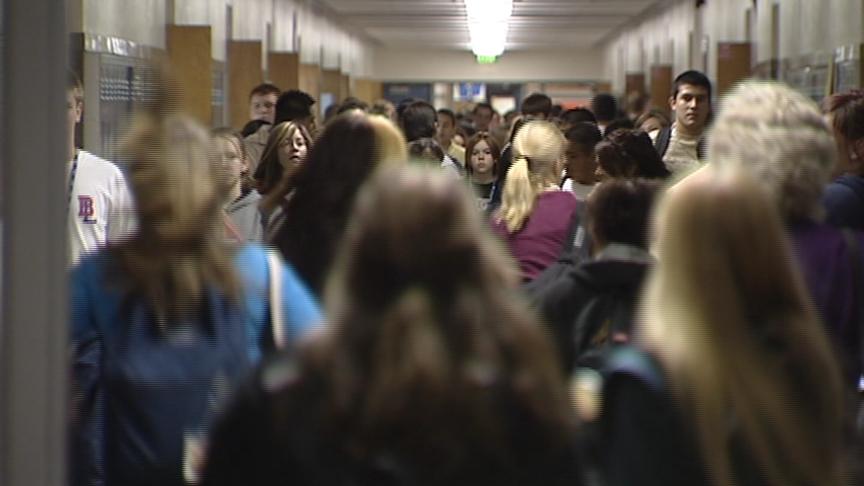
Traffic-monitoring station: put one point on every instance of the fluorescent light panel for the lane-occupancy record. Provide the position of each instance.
(487, 25)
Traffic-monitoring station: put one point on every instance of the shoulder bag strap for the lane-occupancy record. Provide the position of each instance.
(853, 247)
(274, 270)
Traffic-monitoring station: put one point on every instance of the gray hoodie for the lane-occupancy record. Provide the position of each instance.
(246, 216)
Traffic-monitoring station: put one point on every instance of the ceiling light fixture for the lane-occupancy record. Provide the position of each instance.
(487, 26)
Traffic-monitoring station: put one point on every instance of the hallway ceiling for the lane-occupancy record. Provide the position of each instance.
(535, 24)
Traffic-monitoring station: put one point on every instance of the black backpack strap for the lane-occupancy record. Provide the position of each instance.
(661, 143)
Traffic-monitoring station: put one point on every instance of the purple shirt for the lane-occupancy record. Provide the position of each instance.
(538, 243)
(824, 261)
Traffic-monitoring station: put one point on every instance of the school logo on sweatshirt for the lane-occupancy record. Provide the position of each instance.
(86, 209)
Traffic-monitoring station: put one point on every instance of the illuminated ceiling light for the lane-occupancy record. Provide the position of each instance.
(487, 25)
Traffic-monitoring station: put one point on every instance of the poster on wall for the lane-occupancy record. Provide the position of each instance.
(396, 92)
(469, 92)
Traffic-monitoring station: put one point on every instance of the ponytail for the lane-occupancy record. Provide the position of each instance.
(519, 195)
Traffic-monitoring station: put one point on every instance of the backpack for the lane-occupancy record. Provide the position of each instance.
(602, 324)
(162, 388)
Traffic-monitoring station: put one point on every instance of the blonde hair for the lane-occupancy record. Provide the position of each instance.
(390, 144)
(537, 152)
(780, 135)
(749, 347)
(179, 250)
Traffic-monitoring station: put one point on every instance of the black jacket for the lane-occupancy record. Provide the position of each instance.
(561, 303)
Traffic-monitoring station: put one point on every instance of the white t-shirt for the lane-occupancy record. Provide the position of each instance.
(100, 206)
(682, 155)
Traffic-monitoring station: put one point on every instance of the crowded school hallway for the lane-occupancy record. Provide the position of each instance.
(469, 242)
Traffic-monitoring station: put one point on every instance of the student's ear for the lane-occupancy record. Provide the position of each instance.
(672, 102)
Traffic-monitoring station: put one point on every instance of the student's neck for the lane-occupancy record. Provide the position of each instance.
(486, 178)
(445, 146)
(689, 132)
(73, 151)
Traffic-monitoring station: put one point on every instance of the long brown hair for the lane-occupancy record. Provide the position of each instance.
(179, 250)
(748, 347)
(270, 171)
(431, 351)
(324, 187)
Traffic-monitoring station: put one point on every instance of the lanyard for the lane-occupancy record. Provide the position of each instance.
(72, 181)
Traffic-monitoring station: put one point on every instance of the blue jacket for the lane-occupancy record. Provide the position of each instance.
(95, 305)
(97, 320)
(844, 202)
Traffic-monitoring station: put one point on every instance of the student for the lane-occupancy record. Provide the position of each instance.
(582, 139)
(165, 324)
(446, 133)
(431, 372)
(427, 150)
(419, 120)
(536, 106)
(782, 138)
(482, 117)
(576, 115)
(310, 223)
(262, 102)
(262, 108)
(535, 215)
(605, 109)
(242, 200)
(681, 146)
(100, 209)
(482, 168)
(286, 149)
(676, 409)
(384, 108)
(844, 197)
(591, 307)
(295, 105)
(628, 153)
(652, 121)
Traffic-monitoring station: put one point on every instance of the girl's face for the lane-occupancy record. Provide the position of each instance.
(232, 158)
(651, 124)
(292, 149)
(482, 161)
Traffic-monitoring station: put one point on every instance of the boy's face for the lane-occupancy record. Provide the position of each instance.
(263, 107)
(691, 105)
(446, 129)
(581, 163)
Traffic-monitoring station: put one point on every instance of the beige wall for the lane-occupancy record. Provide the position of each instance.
(143, 21)
(806, 27)
(140, 21)
(451, 65)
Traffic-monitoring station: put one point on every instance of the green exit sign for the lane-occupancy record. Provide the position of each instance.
(486, 59)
